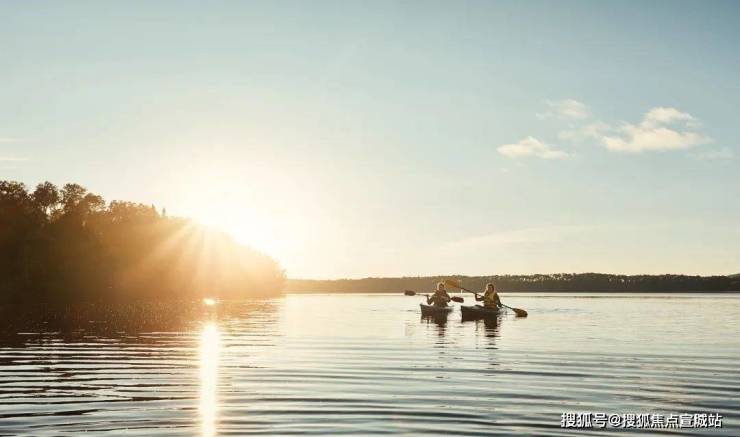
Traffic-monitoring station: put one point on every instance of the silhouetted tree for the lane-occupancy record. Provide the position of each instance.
(71, 196)
(66, 245)
(45, 197)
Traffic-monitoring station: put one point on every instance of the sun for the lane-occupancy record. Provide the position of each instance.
(244, 225)
(223, 203)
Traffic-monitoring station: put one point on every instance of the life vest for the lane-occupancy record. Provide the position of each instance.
(490, 299)
(440, 298)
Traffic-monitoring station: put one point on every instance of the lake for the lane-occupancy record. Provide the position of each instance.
(369, 364)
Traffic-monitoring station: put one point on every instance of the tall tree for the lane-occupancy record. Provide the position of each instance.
(45, 198)
(72, 194)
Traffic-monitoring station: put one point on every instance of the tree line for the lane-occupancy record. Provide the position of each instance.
(67, 244)
(561, 282)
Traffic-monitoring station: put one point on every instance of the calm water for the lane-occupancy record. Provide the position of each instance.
(369, 364)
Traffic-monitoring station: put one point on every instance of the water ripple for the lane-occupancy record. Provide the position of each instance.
(369, 365)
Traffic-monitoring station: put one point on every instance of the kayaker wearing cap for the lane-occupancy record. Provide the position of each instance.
(440, 298)
(490, 297)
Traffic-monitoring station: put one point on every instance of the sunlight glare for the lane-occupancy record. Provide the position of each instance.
(243, 224)
(209, 356)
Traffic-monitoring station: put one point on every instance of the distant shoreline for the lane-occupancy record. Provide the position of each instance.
(551, 283)
(528, 292)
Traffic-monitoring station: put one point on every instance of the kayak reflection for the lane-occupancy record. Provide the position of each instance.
(492, 326)
(489, 328)
(439, 319)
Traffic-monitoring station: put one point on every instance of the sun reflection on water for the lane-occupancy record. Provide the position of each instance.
(209, 352)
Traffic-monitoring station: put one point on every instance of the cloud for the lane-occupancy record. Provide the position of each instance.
(662, 115)
(567, 109)
(9, 158)
(12, 159)
(531, 147)
(524, 236)
(718, 154)
(594, 130)
(11, 140)
(660, 129)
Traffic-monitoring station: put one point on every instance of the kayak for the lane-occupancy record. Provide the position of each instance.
(477, 311)
(431, 310)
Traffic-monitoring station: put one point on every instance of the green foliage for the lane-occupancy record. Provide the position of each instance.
(68, 245)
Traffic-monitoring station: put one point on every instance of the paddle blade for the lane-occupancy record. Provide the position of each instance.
(457, 299)
(519, 312)
(409, 293)
(452, 283)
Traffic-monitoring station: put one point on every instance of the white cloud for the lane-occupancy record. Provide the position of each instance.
(590, 131)
(530, 147)
(663, 115)
(660, 129)
(568, 109)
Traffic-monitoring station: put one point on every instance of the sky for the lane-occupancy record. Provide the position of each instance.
(355, 138)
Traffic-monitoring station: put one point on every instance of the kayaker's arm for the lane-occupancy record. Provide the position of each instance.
(478, 297)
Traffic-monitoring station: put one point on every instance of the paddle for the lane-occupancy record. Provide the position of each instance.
(413, 293)
(519, 312)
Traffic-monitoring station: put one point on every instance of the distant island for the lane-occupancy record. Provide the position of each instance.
(67, 245)
(552, 283)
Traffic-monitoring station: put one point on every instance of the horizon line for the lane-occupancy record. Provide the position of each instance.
(512, 274)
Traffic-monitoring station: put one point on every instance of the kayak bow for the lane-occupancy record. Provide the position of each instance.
(477, 312)
(431, 310)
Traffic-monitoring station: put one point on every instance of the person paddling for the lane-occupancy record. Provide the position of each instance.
(440, 298)
(490, 298)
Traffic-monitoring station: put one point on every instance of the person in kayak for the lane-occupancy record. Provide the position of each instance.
(490, 298)
(440, 298)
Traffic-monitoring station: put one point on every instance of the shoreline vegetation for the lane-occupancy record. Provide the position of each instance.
(68, 245)
(539, 283)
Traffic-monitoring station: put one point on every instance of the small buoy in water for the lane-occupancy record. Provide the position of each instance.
(208, 301)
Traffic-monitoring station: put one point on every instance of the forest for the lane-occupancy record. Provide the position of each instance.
(556, 283)
(67, 244)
